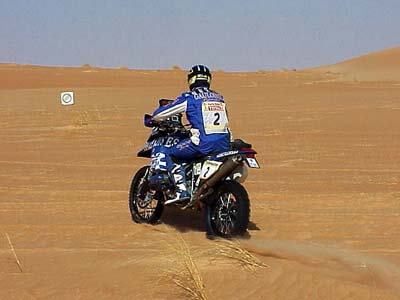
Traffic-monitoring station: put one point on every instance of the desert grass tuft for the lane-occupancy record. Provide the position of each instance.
(14, 253)
(184, 272)
(98, 114)
(233, 250)
(81, 118)
(87, 117)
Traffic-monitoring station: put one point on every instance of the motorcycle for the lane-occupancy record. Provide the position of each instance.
(214, 182)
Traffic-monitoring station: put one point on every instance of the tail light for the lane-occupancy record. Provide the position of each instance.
(164, 102)
(249, 152)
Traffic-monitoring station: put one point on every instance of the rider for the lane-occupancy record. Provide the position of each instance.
(206, 113)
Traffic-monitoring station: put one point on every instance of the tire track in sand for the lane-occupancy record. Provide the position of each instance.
(332, 261)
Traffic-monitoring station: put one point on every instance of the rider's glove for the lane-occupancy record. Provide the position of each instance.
(195, 138)
(148, 121)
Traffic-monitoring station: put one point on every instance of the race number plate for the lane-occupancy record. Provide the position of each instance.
(209, 168)
(215, 119)
(252, 162)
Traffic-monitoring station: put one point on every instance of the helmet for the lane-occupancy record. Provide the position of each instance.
(199, 76)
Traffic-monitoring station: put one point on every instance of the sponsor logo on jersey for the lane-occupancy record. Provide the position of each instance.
(206, 95)
(227, 153)
(213, 106)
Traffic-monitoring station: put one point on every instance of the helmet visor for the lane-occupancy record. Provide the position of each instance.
(197, 77)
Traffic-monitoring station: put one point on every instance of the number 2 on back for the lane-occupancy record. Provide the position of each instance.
(216, 121)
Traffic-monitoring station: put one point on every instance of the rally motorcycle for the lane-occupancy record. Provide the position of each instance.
(214, 182)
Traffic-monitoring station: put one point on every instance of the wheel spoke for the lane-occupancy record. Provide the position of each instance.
(228, 200)
(146, 211)
(225, 212)
(143, 203)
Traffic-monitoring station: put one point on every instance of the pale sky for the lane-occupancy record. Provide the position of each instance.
(229, 35)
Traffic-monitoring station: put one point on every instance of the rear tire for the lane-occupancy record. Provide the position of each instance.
(228, 214)
(152, 212)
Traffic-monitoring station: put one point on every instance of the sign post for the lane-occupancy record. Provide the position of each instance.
(67, 98)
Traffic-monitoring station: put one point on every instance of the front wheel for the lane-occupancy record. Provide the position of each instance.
(228, 214)
(143, 209)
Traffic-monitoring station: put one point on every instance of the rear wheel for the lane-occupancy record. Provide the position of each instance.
(228, 215)
(144, 207)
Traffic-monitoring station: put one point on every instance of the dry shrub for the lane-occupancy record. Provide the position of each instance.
(184, 272)
(82, 118)
(176, 68)
(85, 117)
(234, 250)
(130, 143)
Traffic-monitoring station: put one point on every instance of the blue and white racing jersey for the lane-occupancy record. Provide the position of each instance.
(206, 112)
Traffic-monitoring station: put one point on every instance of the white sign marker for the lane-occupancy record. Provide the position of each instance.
(67, 98)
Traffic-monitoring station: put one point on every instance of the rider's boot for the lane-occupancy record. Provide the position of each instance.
(179, 178)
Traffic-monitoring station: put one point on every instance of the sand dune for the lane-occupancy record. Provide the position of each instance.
(325, 204)
(379, 66)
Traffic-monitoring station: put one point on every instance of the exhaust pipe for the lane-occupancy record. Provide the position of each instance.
(225, 170)
(229, 165)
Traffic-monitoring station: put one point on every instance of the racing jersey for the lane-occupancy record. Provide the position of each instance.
(206, 112)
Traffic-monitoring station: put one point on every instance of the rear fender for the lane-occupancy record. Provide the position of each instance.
(248, 152)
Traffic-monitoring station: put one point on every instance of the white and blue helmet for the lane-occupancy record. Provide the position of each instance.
(199, 76)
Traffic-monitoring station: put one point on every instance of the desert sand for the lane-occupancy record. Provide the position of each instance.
(378, 66)
(325, 204)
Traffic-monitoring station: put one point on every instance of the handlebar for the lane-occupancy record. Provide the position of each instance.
(167, 125)
(170, 126)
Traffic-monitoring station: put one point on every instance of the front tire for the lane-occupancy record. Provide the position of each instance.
(149, 213)
(228, 214)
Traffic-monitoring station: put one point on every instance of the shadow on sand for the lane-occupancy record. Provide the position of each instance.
(184, 220)
(192, 220)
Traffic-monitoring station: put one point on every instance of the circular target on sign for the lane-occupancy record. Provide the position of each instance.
(66, 98)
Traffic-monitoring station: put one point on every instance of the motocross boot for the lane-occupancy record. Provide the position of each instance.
(179, 177)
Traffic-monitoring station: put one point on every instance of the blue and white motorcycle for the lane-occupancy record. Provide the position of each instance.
(214, 182)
